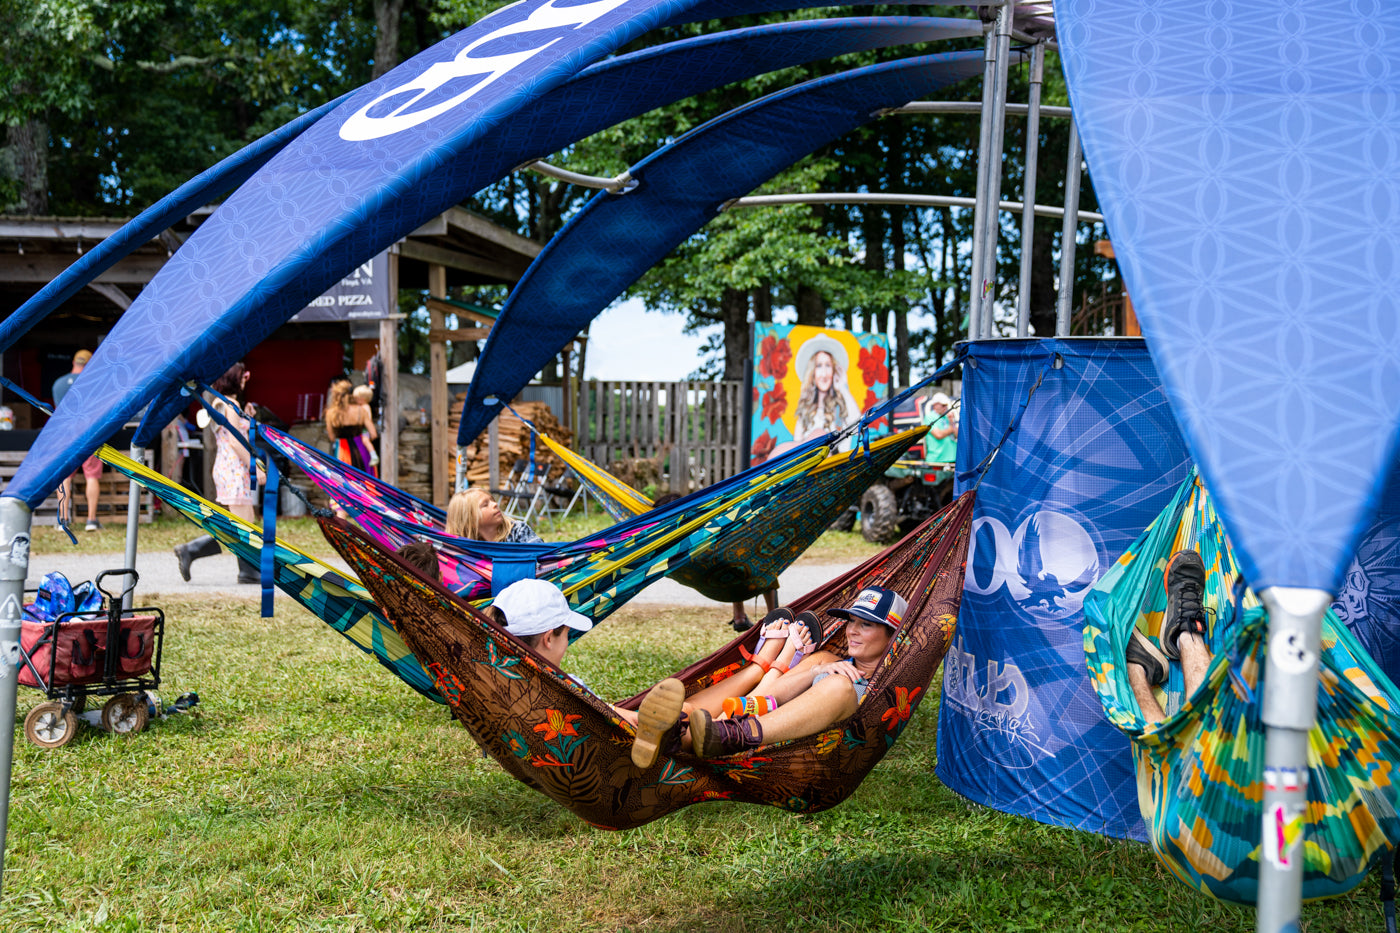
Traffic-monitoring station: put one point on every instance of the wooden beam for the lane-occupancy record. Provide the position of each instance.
(455, 259)
(389, 354)
(44, 267)
(437, 375)
(112, 293)
(448, 308)
(443, 335)
(53, 228)
(483, 229)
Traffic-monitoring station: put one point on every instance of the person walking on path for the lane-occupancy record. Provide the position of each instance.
(232, 483)
(92, 467)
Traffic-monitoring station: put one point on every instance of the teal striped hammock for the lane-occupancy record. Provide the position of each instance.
(1200, 771)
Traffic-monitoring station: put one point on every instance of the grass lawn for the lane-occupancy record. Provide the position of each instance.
(312, 791)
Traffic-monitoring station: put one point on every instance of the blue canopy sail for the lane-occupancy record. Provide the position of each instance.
(617, 237)
(399, 151)
(1247, 158)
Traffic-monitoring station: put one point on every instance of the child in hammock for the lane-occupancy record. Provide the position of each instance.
(1183, 637)
(821, 689)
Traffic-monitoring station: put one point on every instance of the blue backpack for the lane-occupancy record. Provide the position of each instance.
(57, 596)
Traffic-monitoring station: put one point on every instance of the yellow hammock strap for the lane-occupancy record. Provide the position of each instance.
(594, 475)
(155, 482)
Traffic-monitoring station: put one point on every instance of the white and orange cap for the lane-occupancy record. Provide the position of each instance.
(875, 604)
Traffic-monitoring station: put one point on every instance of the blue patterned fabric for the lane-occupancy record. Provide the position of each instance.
(399, 151)
(681, 187)
(1095, 458)
(1247, 159)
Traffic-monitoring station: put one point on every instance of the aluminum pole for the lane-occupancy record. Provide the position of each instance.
(133, 515)
(1067, 239)
(979, 213)
(1290, 710)
(14, 540)
(992, 227)
(1023, 291)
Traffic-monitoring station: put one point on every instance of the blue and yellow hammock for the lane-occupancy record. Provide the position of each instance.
(1200, 771)
(787, 503)
(596, 581)
(750, 558)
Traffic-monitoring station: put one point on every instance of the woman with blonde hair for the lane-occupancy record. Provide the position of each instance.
(474, 514)
(825, 402)
(350, 427)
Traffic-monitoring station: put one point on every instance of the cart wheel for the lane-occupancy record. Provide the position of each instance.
(48, 726)
(125, 713)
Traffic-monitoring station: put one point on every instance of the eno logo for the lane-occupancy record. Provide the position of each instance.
(1047, 565)
(481, 63)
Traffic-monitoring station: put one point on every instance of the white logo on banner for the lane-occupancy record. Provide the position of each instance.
(1047, 565)
(995, 701)
(400, 106)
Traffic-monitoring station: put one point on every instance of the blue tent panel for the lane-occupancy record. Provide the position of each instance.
(1247, 159)
(617, 237)
(401, 150)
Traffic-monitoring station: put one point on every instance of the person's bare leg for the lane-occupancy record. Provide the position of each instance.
(770, 599)
(1195, 660)
(830, 700)
(741, 618)
(91, 490)
(65, 505)
(1146, 700)
(712, 697)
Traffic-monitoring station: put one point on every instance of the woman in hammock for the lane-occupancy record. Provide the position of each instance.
(822, 689)
(474, 514)
(1183, 631)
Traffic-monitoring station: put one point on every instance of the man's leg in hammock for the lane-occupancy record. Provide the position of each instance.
(1142, 692)
(1195, 660)
(1147, 667)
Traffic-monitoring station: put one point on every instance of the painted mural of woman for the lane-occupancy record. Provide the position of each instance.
(825, 402)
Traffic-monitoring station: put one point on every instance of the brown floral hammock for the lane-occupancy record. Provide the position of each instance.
(549, 732)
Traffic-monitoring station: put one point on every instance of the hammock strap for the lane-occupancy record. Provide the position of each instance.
(1056, 361)
(862, 428)
(65, 516)
(267, 569)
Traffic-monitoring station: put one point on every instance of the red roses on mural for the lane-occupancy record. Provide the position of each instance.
(871, 400)
(774, 403)
(774, 355)
(872, 365)
(762, 448)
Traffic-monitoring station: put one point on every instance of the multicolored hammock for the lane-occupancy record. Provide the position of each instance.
(1200, 771)
(550, 733)
(750, 558)
(743, 531)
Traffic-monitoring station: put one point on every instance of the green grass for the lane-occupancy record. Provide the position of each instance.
(313, 792)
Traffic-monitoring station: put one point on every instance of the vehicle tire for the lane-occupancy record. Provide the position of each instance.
(48, 726)
(845, 521)
(879, 514)
(125, 714)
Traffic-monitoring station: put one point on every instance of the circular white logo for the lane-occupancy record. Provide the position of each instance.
(1047, 565)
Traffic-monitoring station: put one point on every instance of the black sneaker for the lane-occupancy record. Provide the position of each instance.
(1186, 584)
(1148, 656)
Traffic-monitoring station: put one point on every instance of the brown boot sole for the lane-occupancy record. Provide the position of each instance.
(658, 714)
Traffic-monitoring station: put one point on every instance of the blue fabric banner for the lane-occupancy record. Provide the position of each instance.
(1369, 600)
(1096, 456)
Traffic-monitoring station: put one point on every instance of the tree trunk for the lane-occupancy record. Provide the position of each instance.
(387, 14)
(734, 307)
(763, 303)
(1044, 294)
(29, 151)
(898, 246)
(811, 307)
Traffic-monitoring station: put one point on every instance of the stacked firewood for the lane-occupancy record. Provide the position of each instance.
(513, 440)
(415, 459)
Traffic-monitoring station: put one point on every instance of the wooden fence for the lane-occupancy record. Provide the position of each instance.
(698, 424)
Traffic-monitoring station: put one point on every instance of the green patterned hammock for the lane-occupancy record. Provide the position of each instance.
(1200, 771)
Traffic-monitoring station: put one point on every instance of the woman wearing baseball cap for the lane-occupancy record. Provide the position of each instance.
(824, 688)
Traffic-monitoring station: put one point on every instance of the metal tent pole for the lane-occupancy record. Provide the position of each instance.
(14, 567)
(979, 211)
(1023, 292)
(1071, 226)
(1290, 710)
(133, 514)
(992, 227)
